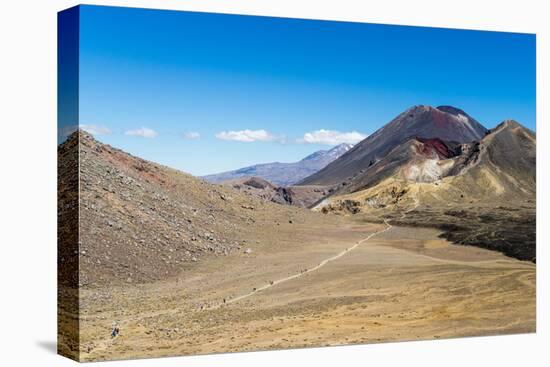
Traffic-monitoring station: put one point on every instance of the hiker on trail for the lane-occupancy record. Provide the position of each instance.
(224, 300)
(115, 332)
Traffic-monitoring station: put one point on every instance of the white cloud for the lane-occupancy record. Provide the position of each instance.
(96, 129)
(143, 132)
(332, 137)
(248, 135)
(191, 135)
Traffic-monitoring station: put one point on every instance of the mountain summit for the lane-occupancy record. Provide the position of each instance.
(284, 174)
(326, 156)
(444, 122)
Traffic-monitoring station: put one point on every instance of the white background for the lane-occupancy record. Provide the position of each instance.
(28, 181)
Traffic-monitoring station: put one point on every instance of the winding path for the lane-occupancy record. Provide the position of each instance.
(316, 267)
(291, 277)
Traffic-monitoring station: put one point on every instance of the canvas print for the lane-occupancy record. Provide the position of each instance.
(233, 183)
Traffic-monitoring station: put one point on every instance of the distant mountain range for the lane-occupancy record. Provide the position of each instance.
(284, 174)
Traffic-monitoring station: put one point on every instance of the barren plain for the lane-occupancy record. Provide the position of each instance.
(400, 284)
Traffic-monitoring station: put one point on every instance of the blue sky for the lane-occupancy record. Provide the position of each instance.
(206, 93)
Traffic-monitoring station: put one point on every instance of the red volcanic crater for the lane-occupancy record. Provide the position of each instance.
(435, 145)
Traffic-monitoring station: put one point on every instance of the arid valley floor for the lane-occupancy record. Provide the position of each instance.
(401, 284)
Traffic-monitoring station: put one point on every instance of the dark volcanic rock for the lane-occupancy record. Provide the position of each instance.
(302, 196)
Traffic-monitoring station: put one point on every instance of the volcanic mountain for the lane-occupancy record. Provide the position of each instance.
(444, 122)
(284, 174)
(481, 193)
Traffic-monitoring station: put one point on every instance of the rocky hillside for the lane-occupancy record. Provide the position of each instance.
(444, 122)
(67, 213)
(284, 174)
(140, 221)
(302, 196)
